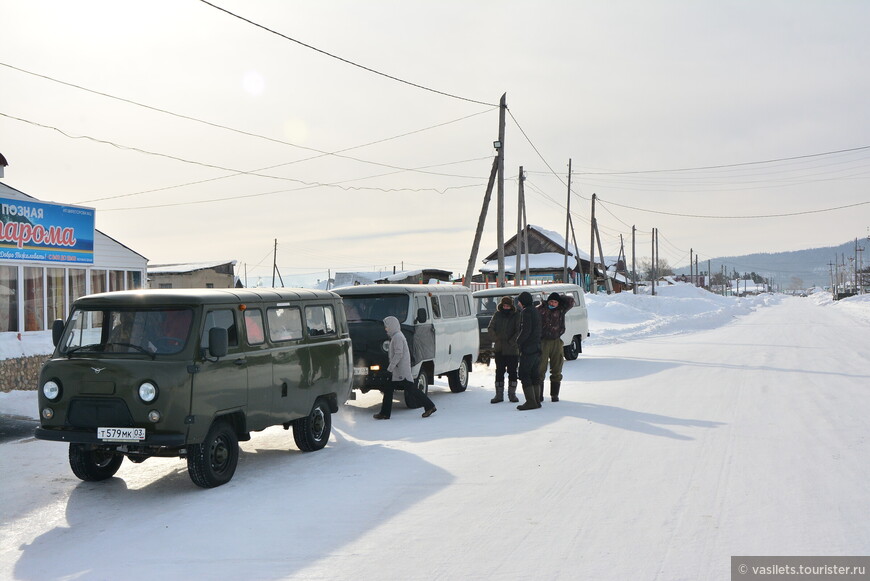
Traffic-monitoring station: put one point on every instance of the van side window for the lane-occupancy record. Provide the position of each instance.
(436, 308)
(222, 318)
(254, 326)
(421, 304)
(320, 320)
(448, 307)
(463, 306)
(285, 323)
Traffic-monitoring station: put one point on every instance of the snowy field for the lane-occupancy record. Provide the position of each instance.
(692, 428)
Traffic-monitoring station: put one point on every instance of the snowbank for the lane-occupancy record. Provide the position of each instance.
(678, 308)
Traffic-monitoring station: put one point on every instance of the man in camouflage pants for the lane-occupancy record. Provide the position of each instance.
(552, 327)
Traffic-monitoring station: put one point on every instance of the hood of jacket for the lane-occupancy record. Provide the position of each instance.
(392, 325)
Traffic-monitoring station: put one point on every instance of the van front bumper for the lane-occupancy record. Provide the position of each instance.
(89, 436)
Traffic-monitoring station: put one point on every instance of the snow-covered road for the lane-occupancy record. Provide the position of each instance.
(666, 456)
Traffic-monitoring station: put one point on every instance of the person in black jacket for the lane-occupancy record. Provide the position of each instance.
(503, 329)
(529, 343)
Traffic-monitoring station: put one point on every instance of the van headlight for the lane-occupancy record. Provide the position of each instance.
(51, 390)
(147, 392)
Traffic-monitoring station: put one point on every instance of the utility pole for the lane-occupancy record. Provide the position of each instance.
(274, 261)
(698, 281)
(691, 278)
(500, 228)
(592, 286)
(518, 273)
(633, 264)
(652, 268)
(469, 271)
(568, 226)
(608, 285)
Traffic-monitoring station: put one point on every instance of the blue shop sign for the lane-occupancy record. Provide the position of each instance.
(38, 231)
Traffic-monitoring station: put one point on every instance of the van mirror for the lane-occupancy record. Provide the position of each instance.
(421, 315)
(56, 331)
(218, 342)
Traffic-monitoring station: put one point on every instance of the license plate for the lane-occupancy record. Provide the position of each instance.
(121, 434)
(360, 370)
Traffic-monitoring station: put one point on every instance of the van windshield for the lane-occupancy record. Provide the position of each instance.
(486, 305)
(375, 307)
(148, 331)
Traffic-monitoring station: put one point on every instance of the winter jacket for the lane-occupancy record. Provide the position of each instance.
(503, 329)
(400, 355)
(529, 339)
(553, 320)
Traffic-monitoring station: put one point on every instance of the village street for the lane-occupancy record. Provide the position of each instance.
(666, 456)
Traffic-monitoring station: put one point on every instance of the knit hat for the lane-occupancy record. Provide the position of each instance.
(506, 301)
(525, 299)
(553, 297)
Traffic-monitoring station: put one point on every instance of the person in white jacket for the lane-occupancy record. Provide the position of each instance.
(400, 369)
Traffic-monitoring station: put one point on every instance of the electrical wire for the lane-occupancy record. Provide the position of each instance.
(236, 171)
(344, 60)
(321, 153)
(784, 215)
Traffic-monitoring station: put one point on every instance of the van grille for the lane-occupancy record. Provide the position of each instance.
(99, 412)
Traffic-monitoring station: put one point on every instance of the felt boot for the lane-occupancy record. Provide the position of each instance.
(539, 393)
(531, 398)
(499, 392)
(512, 391)
(554, 390)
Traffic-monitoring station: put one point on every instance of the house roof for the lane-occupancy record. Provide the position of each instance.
(552, 241)
(186, 267)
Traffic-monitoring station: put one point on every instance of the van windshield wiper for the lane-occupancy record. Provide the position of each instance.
(81, 348)
(137, 347)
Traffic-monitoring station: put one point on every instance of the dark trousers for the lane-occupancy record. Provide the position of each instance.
(505, 364)
(413, 396)
(530, 368)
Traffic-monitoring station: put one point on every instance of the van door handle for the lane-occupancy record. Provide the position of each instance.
(240, 362)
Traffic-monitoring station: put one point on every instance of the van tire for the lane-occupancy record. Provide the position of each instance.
(312, 432)
(214, 462)
(458, 378)
(572, 350)
(92, 465)
(422, 384)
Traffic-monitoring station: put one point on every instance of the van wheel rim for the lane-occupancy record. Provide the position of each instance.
(318, 423)
(220, 455)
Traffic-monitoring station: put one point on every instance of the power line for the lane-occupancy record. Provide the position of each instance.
(249, 134)
(344, 60)
(213, 166)
(737, 217)
(861, 148)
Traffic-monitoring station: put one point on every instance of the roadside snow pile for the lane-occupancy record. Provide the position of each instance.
(680, 308)
(858, 307)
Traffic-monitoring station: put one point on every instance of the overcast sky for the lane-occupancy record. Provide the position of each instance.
(638, 94)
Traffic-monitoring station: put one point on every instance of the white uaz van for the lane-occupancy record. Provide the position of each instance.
(576, 319)
(436, 319)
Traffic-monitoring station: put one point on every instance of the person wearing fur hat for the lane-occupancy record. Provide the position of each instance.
(552, 327)
(503, 329)
(529, 343)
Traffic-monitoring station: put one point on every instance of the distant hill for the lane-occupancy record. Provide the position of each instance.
(796, 269)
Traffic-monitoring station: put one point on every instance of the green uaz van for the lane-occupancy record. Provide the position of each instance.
(190, 373)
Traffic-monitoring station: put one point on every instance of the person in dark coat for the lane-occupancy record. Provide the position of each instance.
(529, 343)
(552, 352)
(503, 329)
(400, 368)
